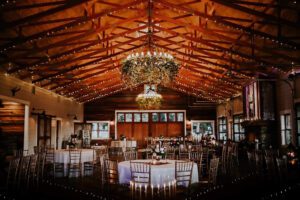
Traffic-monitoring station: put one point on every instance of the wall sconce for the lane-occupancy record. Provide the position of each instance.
(73, 115)
(15, 90)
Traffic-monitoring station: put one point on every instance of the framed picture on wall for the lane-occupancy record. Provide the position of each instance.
(202, 128)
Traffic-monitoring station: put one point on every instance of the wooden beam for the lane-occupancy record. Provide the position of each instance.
(75, 38)
(226, 38)
(32, 5)
(39, 15)
(79, 49)
(220, 20)
(232, 4)
(90, 62)
(80, 21)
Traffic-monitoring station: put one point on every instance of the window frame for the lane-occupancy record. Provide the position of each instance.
(241, 130)
(98, 130)
(297, 106)
(223, 124)
(285, 129)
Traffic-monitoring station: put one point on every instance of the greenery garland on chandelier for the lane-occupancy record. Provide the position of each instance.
(149, 101)
(155, 68)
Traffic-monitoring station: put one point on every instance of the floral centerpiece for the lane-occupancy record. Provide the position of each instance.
(158, 152)
(122, 137)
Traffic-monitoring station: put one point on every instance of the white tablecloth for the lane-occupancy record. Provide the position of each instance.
(62, 156)
(123, 144)
(160, 174)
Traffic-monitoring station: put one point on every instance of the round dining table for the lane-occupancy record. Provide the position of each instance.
(161, 174)
(62, 156)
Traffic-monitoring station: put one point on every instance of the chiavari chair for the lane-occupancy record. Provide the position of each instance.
(12, 174)
(170, 155)
(74, 165)
(23, 170)
(212, 173)
(184, 155)
(251, 160)
(183, 173)
(111, 174)
(205, 161)
(258, 161)
(50, 165)
(140, 174)
(88, 166)
(281, 164)
(32, 171)
(196, 156)
(130, 155)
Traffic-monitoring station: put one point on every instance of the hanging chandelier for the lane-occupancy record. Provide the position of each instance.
(152, 67)
(150, 99)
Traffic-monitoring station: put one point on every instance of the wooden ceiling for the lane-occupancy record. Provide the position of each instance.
(76, 47)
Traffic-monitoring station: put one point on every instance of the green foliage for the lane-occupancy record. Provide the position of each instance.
(149, 69)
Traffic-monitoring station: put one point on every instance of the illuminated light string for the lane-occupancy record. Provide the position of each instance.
(207, 86)
(97, 43)
(199, 90)
(62, 29)
(213, 78)
(79, 81)
(92, 85)
(153, 67)
(194, 94)
(216, 21)
(96, 92)
(103, 95)
(102, 61)
(197, 82)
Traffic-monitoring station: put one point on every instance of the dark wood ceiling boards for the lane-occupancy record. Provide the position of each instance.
(76, 47)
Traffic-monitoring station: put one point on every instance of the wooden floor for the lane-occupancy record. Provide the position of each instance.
(240, 184)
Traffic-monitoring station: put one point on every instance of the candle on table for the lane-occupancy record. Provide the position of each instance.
(140, 190)
(151, 190)
(169, 189)
(164, 190)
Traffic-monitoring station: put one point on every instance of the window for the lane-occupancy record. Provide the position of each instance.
(238, 130)
(100, 130)
(285, 126)
(145, 117)
(163, 117)
(44, 130)
(172, 117)
(128, 117)
(179, 117)
(137, 117)
(222, 128)
(121, 117)
(298, 123)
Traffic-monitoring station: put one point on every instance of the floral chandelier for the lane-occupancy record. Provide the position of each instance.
(152, 67)
(150, 99)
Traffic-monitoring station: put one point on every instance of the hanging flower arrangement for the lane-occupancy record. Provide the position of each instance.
(155, 68)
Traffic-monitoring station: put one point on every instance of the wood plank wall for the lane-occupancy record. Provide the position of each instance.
(11, 126)
(104, 108)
